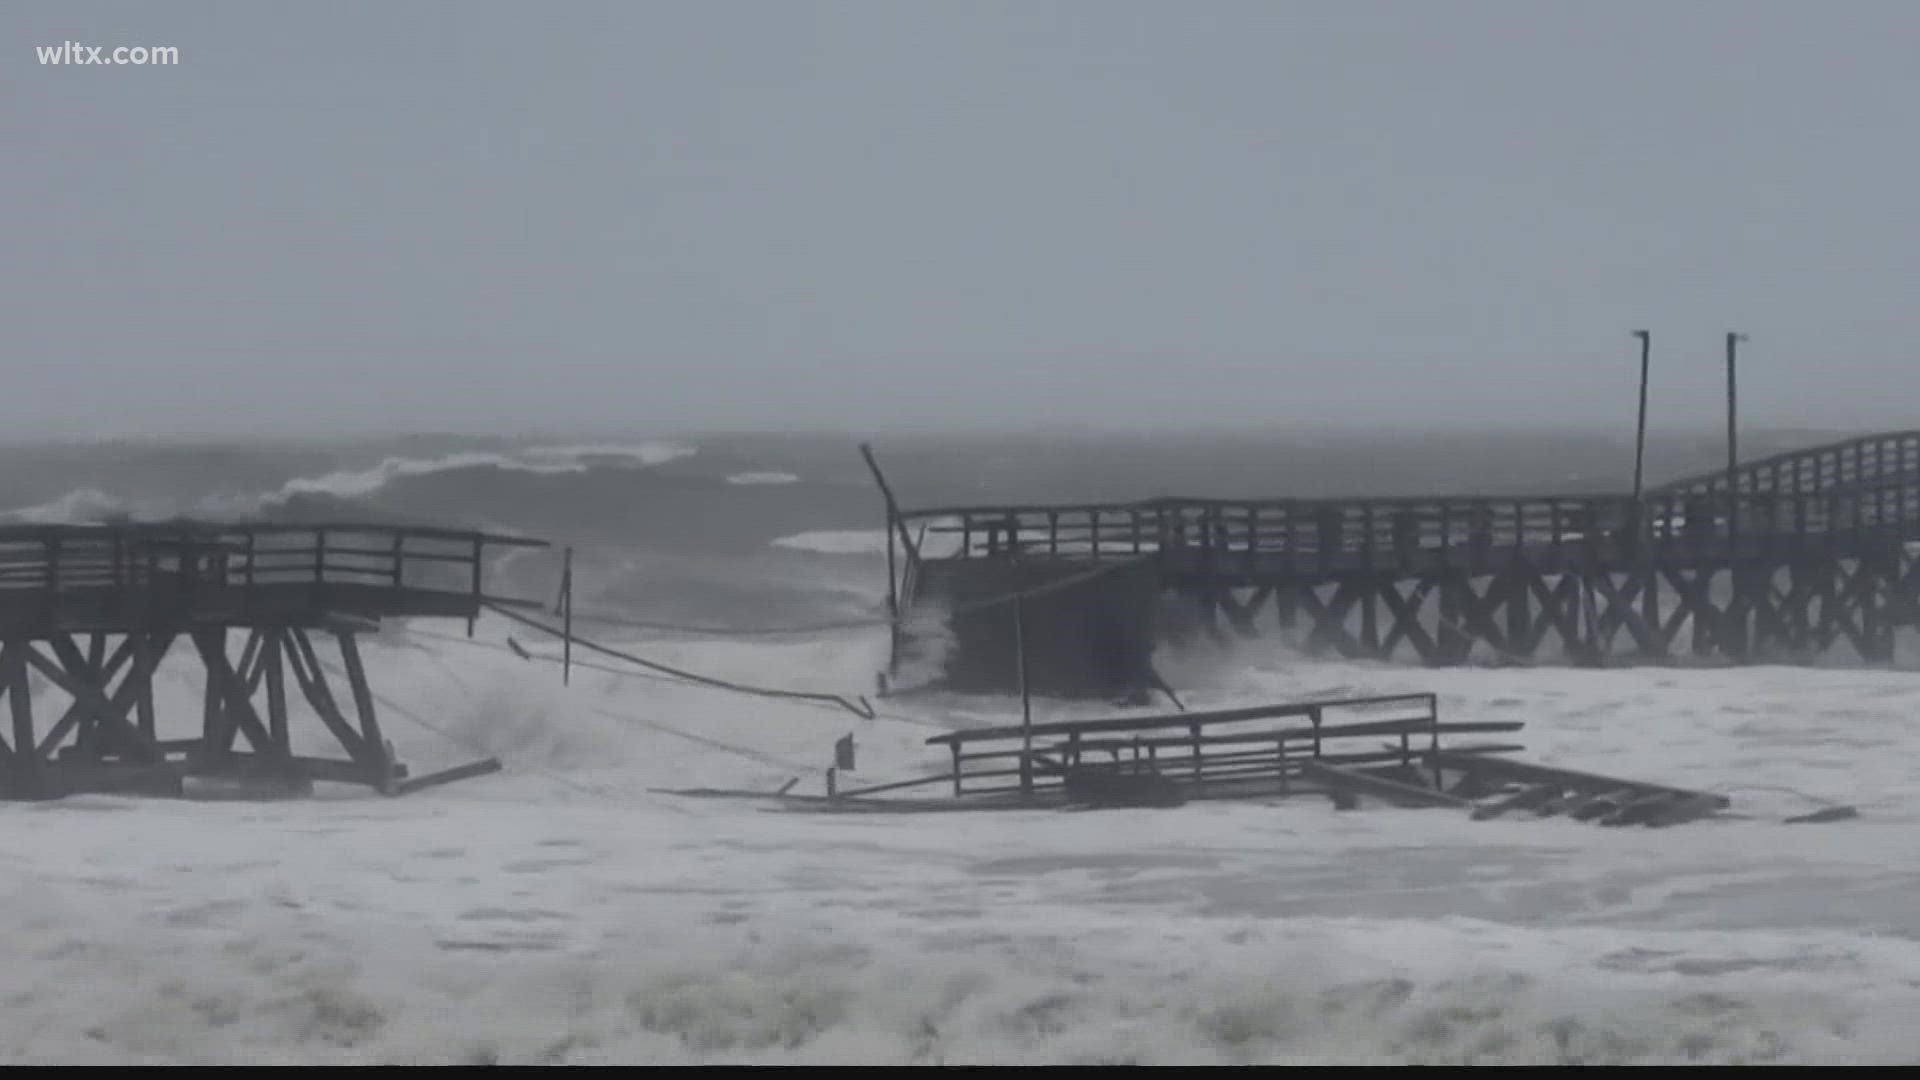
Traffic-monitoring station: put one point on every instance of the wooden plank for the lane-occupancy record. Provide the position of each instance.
(1411, 726)
(898, 785)
(1217, 716)
(1361, 783)
(1529, 772)
(1526, 799)
(483, 767)
(243, 763)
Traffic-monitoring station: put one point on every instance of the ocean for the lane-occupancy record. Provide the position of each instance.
(767, 529)
(568, 911)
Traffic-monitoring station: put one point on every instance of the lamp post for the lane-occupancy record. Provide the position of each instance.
(1733, 431)
(1640, 435)
(1733, 437)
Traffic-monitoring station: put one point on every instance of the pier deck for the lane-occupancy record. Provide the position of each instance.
(1783, 558)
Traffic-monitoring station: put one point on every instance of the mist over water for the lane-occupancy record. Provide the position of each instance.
(763, 528)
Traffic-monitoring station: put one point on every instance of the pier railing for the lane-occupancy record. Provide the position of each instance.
(1269, 745)
(1337, 534)
(1865, 462)
(1841, 493)
(65, 559)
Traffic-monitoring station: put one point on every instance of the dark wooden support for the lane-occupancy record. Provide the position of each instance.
(236, 713)
(213, 725)
(144, 660)
(313, 684)
(1370, 616)
(369, 720)
(1453, 645)
(1706, 635)
(102, 719)
(25, 773)
(138, 681)
(148, 583)
(271, 652)
(1518, 593)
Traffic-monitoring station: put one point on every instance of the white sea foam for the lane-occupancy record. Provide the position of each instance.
(836, 541)
(360, 483)
(81, 504)
(760, 478)
(866, 542)
(91, 505)
(562, 912)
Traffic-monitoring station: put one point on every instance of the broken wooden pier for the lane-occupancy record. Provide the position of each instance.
(1391, 749)
(89, 613)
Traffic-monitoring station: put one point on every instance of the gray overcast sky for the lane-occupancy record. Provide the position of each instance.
(339, 216)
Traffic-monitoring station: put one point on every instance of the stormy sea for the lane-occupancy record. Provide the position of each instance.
(567, 911)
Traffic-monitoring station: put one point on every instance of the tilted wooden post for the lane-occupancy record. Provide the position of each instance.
(566, 600)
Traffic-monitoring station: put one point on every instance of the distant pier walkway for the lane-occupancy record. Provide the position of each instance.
(1784, 558)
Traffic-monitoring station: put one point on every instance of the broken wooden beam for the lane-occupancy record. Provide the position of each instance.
(1825, 814)
(483, 767)
(1527, 772)
(1359, 783)
(1525, 799)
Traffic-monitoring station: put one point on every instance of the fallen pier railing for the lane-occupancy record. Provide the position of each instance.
(1392, 749)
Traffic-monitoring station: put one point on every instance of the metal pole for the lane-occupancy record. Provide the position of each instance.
(1640, 436)
(1733, 437)
(1733, 430)
(1020, 672)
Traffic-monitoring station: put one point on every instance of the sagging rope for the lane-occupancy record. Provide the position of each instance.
(858, 706)
(864, 622)
(627, 673)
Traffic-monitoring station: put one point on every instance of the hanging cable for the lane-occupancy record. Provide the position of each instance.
(862, 622)
(628, 673)
(859, 706)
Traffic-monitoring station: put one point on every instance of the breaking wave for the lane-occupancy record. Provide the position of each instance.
(836, 541)
(362, 483)
(91, 504)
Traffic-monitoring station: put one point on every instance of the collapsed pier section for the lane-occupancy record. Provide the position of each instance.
(89, 613)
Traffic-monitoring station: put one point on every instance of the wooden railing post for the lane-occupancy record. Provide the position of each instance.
(1433, 744)
(479, 554)
(1198, 773)
(1253, 538)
